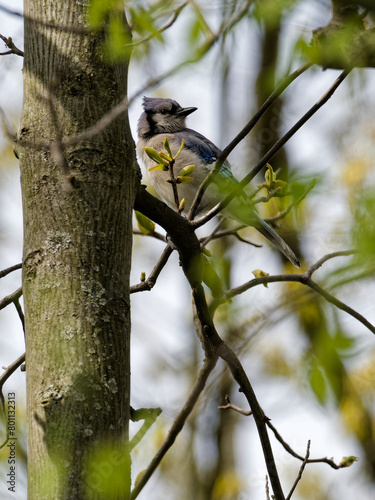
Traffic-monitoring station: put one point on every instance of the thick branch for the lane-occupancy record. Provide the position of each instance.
(185, 240)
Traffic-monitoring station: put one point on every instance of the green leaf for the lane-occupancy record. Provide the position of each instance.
(189, 169)
(117, 45)
(181, 148)
(348, 461)
(211, 278)
(258, 273)
(181, 208)
(159, 166)
(184, 180)
(270, 175)
(167, 147)
(165, 157)
(144, 223)
(98, 11)
(318, 383)
(154, 155)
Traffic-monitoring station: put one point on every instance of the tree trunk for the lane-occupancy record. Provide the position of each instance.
(76, 263)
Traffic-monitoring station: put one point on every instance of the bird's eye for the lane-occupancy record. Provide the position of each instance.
(163, 111)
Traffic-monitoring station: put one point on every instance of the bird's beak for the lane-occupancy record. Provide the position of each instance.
(186, 111)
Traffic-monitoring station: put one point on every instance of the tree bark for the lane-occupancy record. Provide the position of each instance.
(77, 248)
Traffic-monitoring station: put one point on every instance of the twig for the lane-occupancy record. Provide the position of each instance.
(230, 406)
(267, 157)
(302, 468)
(305, 279)
(290, 450)
(149, 283)
(267, 489)
(177, 425)
(166, 26)
(10, 298)
(9, 370)
(11, 12)
(155, 235)
(10, 269)
(13, 49)
(20, 313)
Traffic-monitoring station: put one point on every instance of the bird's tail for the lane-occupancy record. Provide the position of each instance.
(276, 240)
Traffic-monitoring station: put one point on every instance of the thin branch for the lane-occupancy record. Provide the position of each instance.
(296, 202)
(10, 298)
(305, 279)
(242, 134)
(325, 258)
(267, 489)
(290, 450)
(9, 270)
(229, 406)
(267, 157)
(149, 283)
(302, 468)
(11, 12)
(18, 307)
(166, 26)
(155, 235)
(13, 49)
(177, 425)
(9, 370)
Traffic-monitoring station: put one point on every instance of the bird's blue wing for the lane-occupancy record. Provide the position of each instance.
(208, 153)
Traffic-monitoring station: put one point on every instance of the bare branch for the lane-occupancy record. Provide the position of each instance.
(155, 235)
(8, 270)
(9, 370)
(149, 283)
(10, 298)
(305, 279)
(325, 258)
(299, 457)
(229, 406)
(11, 12)
(185, 240)
(18, 307)
(178, 424)
(13, 49)
(302, 468)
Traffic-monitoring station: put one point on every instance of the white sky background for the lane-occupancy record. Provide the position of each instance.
(161, 330)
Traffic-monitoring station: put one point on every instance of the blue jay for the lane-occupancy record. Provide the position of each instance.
(165, 118)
